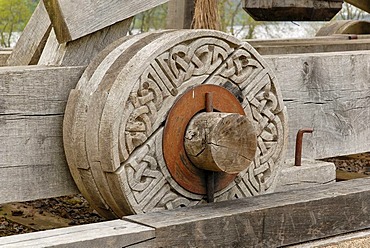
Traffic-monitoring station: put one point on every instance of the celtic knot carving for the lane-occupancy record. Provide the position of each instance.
(171, 69)
(162, 79)
(114, 120)
(149, 190)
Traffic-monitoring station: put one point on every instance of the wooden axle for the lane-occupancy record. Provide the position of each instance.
(222, 142)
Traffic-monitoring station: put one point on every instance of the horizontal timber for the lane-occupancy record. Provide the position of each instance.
(116, 233)
(314, 45)
(32, 102)
(329, 92)
(273, 220)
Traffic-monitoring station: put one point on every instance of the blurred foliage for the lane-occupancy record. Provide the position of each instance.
(230, 11)
(14, 15)
(153, 19)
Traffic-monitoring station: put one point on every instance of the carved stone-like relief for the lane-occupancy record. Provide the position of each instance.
(131, 172)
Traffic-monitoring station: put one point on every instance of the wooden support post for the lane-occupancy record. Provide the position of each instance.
(180, 14)
(33, 39)
(83, 50)
(221, 142)
(75, 19)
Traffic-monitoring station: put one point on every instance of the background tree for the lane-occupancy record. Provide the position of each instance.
(152, 19)
(14, 15)
(235, 21)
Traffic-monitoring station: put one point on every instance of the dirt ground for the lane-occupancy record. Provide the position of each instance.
(17, 218)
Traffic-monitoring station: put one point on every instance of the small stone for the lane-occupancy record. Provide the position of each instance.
(17, 212)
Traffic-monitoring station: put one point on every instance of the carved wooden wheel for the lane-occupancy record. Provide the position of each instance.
(114, 125)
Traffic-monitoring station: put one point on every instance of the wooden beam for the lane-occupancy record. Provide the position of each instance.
(4, 55)
(310, 46)
(180, 14)
(116, 233)
(326, 91)
(361, 4)
(292, 10)
(33, 39)
(74, 19)
(32, 102)
(83, 50)
(272, 220)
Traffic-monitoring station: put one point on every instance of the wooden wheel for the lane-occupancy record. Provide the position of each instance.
(115, 118)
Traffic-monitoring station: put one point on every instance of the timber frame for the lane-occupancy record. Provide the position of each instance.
(324, 83)
(275, 220)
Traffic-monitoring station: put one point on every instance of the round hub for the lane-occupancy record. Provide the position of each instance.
(192, 102)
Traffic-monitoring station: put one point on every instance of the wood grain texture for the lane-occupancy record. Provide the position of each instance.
(75, 19)
(33, 39)
(221, 142)
(315, 45)
(180, 14)
(329, 93)
(310, 174)
(83, 50)
(32, 102)
(4, 55)
(272, 220)
(292, 10)
(117, 233)
(362, 4)
(117, 130)
(345, 27)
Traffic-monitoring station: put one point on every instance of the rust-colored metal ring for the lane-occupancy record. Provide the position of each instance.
(192, 102)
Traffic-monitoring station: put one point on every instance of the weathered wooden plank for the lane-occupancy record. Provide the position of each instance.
(310, 46)
(180, 14)
(330, 93)
(32, 102)
(361, 4)
(311, 173)
(75, 19)
(272, 220)
(292, 10)
(353, 27)
(4, 55)
(117, 233)
(32, 41)
(83, 50)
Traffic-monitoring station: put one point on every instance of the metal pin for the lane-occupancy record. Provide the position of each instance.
(210, 175)
(298, 145)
